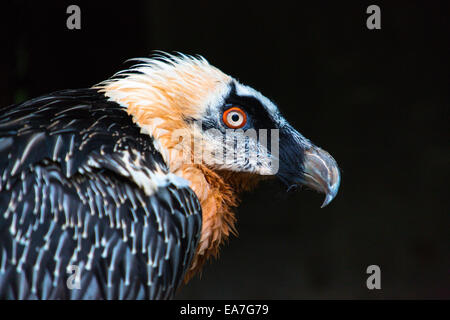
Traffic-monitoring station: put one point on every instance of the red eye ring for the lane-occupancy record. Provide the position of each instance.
(234, 118)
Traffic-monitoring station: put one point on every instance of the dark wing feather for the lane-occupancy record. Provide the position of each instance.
(68, 202)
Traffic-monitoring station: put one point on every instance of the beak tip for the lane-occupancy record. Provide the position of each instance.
(328, 198)
(322, 173)
(325, 202)
(332, 192)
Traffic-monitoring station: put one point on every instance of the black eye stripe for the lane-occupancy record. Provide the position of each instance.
(257, 113)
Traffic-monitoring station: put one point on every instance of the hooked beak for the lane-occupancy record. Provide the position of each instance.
(321, 173)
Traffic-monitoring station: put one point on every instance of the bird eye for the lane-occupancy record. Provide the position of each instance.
(234, 118)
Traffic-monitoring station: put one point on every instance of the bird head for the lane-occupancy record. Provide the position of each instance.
(202, 117)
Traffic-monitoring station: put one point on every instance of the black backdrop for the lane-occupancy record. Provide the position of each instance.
(377, 100)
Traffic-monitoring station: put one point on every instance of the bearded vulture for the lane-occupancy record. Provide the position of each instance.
(123, 190)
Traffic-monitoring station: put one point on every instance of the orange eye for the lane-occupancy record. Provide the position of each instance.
(234, 118)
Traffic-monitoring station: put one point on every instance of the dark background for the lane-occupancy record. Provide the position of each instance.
(377, 100)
